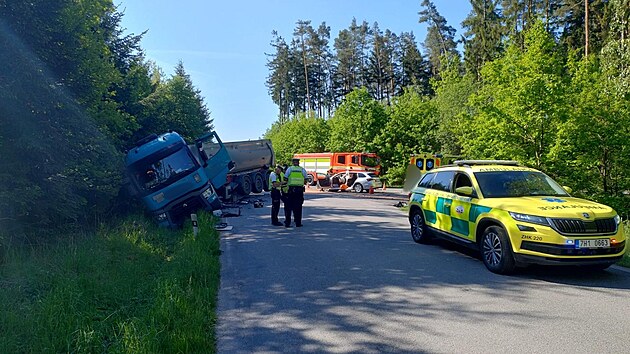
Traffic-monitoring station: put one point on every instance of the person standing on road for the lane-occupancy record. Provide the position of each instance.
(296, 179)
(276, 181)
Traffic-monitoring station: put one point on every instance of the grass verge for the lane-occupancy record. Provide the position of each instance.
(133, 288)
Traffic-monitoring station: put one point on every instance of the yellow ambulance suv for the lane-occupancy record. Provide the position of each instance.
(514, 216)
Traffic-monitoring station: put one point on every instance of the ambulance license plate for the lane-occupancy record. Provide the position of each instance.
(596, 243)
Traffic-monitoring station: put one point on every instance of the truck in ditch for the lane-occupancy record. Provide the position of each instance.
(174, 179)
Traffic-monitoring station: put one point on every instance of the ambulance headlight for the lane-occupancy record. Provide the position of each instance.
(617, 220)
(529, 218)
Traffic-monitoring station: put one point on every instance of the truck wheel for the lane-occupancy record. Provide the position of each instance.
(246, 185)
(259, 183)
(496, 251)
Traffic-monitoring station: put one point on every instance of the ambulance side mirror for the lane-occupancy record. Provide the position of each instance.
(568, 189)
(466, 191)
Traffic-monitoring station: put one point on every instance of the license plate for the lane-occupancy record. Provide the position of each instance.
(596, 243)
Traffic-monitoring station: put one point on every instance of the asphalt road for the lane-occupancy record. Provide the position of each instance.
(353, 281)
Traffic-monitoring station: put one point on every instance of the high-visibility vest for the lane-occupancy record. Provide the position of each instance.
(296, 178)
(279, 179)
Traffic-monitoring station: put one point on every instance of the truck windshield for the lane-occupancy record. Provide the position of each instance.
(153, 175)
(505, 184)
(370, 161)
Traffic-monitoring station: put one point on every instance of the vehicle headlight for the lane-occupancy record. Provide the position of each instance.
(617, 219)
(529, 218)
(161, 217)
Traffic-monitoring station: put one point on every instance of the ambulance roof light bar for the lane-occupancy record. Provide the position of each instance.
(485, 162)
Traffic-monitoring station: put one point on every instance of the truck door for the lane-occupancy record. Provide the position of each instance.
(217, 159)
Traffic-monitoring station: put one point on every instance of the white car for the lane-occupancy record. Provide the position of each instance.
(356, 181)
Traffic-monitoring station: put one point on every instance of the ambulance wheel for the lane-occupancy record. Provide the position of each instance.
(259, 183)
(358, 187)
(496, 251)
(246, 185)
(419, 231)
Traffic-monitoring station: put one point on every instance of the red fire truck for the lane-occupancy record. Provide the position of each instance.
(322, 162)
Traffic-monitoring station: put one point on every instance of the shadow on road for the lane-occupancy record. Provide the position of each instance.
(356, 282)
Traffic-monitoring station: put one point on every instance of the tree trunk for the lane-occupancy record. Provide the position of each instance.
(586, 28)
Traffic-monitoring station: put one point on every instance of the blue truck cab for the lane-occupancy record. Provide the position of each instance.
(174, 179)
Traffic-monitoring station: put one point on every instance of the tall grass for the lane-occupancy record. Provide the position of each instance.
(133, 288)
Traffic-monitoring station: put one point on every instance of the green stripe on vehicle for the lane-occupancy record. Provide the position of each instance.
(441, 208)
(460, 226)
(417, 198)
(430, 216)
(475, 211)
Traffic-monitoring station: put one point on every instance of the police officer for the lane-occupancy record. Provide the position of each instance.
(276, 183)
(296, 179)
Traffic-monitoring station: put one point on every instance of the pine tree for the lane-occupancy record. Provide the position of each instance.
(317, 44)
(520, 15)
(350, 47)
(301, 31)
(440, 36)
(381, 67)
(414, 69)
(483, 35)
(176, 105)
(572, 24)
(57, 112)
(279, 80)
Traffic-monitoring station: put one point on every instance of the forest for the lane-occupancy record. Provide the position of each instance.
(75, 92)
(543, 82)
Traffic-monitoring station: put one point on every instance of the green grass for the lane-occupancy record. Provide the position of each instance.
(131, 289)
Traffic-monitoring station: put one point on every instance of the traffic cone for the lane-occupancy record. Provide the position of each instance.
(371, 189)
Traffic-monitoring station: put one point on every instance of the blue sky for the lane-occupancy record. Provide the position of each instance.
(223, 44)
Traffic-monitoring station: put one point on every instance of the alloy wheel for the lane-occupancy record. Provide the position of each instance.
(492, 251)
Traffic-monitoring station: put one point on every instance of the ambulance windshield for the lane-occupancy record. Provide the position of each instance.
(506, 184)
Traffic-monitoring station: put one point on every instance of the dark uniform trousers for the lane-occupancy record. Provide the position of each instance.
(275, 205)
(293, 203)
